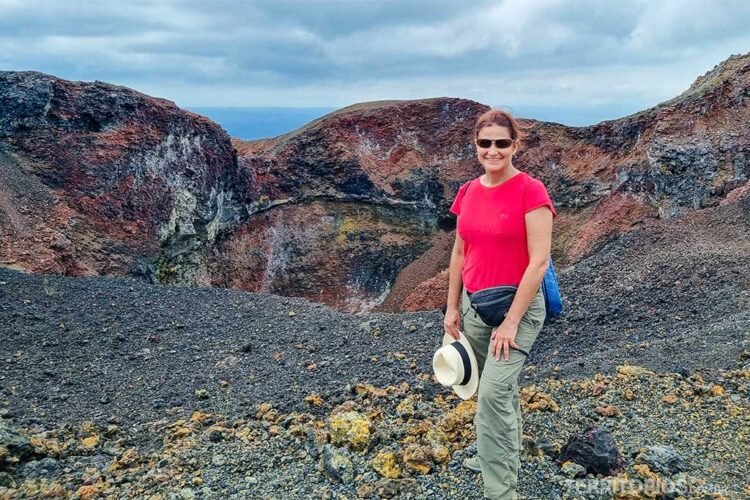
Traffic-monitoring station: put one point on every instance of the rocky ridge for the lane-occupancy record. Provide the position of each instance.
(350, 210)
(100, 179)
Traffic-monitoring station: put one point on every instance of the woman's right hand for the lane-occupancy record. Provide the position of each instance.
(452, 322)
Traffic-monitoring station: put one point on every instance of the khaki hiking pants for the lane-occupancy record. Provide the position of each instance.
(498, 418)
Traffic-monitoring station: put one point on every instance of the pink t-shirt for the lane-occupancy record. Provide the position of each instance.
(492, 224)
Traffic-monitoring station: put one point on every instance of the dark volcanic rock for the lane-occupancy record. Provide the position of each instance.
(350, 210)
(594, 449)
(18, 446)
(100, 179)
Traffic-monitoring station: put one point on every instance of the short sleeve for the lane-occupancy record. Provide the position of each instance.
(536, 196)
(456, 207)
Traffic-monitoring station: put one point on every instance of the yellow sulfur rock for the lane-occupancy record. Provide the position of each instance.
(182, 432)
(405, 408)
(717, 390)
(633, 371)
(351, 429)
(386, 464)
(440, 454)
(369, 390)
(91, 442)
(314, 399)
(455, 419)
(644, 471)
(532, 399)
(199, 416)
(88, 427)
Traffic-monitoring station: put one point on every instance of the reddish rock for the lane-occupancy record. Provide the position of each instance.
(351, 209)
(99, 179)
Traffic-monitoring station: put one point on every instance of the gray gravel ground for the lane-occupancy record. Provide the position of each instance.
(114, 351)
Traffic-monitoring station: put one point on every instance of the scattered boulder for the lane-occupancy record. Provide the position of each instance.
(351, 429)
(336, 465)
(386, 464)
(532, 399)
(664, 459)
(17, 446)
(596, 450)
(418, 458)
(390, 488)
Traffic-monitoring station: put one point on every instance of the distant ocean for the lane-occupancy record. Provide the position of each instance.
(259, 123)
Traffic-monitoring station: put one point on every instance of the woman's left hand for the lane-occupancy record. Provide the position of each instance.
(503, 338)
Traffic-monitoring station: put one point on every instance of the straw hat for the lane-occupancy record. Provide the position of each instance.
(456, 366)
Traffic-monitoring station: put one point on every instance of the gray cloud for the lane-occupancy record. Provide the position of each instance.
(530, 53)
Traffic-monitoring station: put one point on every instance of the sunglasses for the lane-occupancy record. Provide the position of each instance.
(499, 143)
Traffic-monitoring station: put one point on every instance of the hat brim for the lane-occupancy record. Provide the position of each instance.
(467, 390)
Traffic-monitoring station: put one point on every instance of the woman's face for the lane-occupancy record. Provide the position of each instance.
(492, 158)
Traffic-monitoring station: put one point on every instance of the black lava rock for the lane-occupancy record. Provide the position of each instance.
(596, 450)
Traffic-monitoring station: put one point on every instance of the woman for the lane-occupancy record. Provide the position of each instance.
(503, 237)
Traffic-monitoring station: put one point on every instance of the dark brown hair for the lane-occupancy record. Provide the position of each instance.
(503, 119)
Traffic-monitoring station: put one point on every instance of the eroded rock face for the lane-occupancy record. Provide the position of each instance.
(686, 154)
(100, 179)
(346, 203)
(350, 210)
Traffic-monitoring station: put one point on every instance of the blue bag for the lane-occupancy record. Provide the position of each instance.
(551, 291)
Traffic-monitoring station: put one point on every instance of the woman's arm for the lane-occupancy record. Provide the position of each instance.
(539, 241)
(452, 321)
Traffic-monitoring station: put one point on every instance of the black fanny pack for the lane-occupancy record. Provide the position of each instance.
(492, 304)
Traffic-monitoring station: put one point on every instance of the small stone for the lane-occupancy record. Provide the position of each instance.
(292, 314)
(16, 444)
(607, 410)
(418, 458)
(91, 442)
(633, 371)
(664, 459)
(337, 466)
(573, 470)
(202, 394)
(669, 399)
(351, 429)
(6, 481)
(533, 399)
(629, 394)
(314, 399)
(104, 400)
(404, 488)
(386, 464)
(187, 494)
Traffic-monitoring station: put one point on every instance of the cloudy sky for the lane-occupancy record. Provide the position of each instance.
(569, 60)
